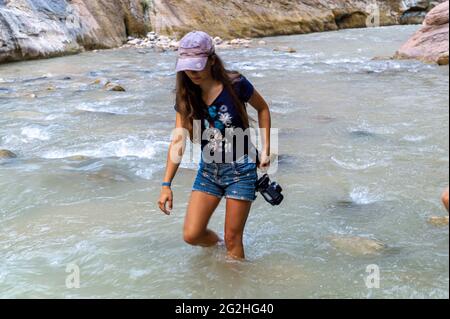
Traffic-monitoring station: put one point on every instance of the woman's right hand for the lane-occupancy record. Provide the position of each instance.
(166, 197)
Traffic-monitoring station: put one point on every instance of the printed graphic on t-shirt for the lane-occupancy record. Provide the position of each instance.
(217, 121)
(223, 115)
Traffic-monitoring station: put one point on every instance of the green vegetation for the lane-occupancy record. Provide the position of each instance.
(146, 5)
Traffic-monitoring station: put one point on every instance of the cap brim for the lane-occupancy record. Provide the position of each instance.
(191, 64)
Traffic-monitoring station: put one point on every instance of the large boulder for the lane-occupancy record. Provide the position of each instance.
(430, 43)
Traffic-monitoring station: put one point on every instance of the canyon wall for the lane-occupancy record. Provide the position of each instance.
(44, 28)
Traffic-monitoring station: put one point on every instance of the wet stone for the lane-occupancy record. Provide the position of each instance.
(439, 221)
(6, 154)
(357, 246)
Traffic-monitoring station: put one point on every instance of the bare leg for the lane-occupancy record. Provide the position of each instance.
(200, 209)
(237, 212)
(445, 198)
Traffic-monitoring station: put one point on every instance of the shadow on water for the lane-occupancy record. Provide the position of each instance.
(362, 134)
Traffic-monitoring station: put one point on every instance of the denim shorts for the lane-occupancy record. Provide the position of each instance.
(235, 179)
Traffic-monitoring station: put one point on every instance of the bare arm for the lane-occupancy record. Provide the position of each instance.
(176, 151)
(264, 119)
(174, 156)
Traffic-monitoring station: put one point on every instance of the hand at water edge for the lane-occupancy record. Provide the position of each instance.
(166, 198)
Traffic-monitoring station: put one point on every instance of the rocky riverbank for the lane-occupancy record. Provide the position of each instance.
(164, 43)
(430, 43)
(44, 28)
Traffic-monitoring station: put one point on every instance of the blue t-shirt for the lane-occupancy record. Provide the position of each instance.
(222, 114)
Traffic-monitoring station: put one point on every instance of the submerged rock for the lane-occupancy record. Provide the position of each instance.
(6, 154)
(78, 158)
(108, 175)
(431, 42)
(357, 246)
(345, 203)
(324, 118)
(439, 221)
(31, 115)
(362, 133)
(107, 85)
(285, 49)
(101, 82)
(114, 87)
(382, 58)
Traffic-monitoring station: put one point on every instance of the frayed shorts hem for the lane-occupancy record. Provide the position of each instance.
(226, 196)
(210, 193)
(240, 198)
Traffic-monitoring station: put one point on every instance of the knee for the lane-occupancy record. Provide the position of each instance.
(191, 237)
(233, 239)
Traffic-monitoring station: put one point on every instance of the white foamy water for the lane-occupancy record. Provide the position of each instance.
(363, 148)
(35, 133)
(356, 164)
(131, 146)
(102, 108)
(363, 196)
(367, 128)
(411, 138)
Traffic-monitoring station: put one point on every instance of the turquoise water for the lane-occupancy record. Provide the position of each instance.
(364, 152)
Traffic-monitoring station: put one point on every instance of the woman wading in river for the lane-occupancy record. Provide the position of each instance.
(208, 93)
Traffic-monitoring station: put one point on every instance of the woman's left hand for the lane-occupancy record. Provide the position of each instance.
(264, 161)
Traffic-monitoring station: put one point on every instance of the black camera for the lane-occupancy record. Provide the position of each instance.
(271, 191)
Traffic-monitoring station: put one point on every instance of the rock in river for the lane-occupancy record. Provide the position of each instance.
(357, 246)
(6, 154)
(430, 43)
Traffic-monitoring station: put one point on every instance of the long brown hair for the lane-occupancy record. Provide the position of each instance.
(189, 95)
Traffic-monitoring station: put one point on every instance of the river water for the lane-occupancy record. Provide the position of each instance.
(364, 152)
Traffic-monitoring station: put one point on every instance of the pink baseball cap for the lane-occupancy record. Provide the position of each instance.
(194, 50)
